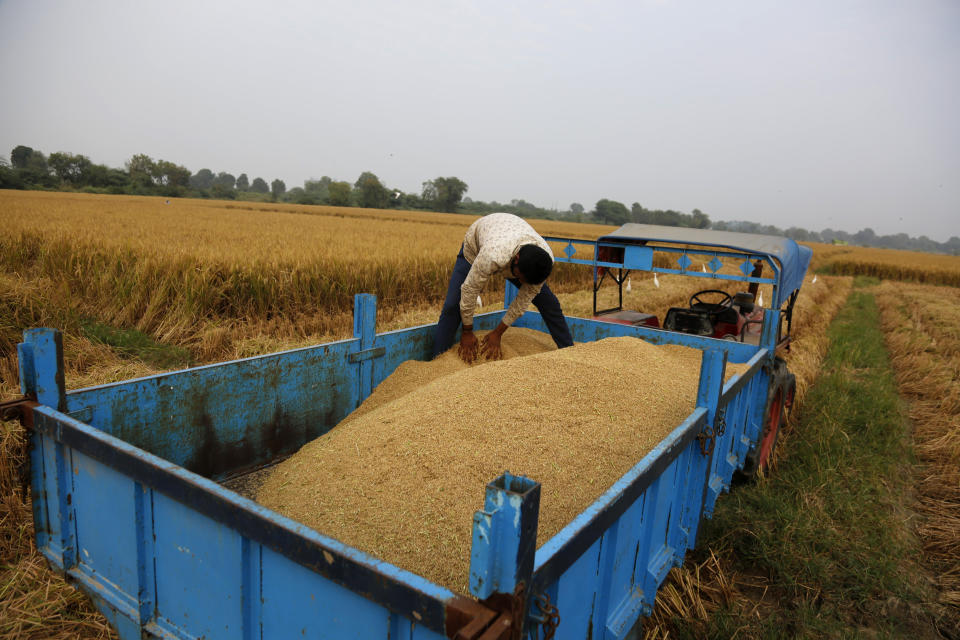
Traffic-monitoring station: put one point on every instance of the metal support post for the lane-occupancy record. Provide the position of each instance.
(365, 328)
(41, 374)
(768, 335)
(505, 537)
(41, 367)
(712, 369)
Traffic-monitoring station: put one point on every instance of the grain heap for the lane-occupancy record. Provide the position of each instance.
(413, 374)
(401, 480)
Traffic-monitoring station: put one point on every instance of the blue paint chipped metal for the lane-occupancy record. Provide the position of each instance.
(126, 500)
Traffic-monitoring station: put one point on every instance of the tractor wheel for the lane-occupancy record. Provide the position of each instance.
(758, 458)
(771, 431)
(789, 391)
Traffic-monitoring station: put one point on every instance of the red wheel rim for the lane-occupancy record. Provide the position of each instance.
(770, 437)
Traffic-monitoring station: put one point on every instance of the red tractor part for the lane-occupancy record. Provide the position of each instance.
(632, 318)
(771, 430)
(779, 399)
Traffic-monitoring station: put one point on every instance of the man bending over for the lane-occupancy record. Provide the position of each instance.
(500, 244)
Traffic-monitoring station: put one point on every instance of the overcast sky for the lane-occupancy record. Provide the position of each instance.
(840, 114)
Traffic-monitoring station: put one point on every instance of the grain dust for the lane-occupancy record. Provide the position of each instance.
(402, 476)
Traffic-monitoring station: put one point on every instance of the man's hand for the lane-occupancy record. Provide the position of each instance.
(490, 345)
(468, 347)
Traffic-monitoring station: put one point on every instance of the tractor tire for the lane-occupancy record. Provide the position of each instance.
(789, 392)
(779, 398)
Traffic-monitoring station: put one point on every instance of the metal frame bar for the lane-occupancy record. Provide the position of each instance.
(717, 253)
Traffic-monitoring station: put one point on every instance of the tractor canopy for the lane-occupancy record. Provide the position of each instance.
(792, 257)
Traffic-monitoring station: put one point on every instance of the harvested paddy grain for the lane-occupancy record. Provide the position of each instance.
(401, 480)
(413, 374)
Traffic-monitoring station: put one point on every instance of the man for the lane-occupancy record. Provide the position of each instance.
(500, 244)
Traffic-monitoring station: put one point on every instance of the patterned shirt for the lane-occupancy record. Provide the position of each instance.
(489, 246)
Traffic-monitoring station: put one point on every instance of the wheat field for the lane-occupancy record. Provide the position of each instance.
(223, 280)
(922, 328)
(887, 264)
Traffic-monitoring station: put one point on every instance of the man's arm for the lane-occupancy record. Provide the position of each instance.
(490, 345)
(525, 296)
(469, 291)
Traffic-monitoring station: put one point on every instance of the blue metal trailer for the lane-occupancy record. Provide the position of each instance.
(128, 501)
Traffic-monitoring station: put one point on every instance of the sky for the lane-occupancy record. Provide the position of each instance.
(839, 114)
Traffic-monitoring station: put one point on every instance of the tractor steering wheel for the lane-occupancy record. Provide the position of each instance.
(727, 300)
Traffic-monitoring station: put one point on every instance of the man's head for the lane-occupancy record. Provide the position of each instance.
(532, 265)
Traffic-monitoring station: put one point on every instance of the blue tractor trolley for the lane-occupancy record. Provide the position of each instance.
(129, 503)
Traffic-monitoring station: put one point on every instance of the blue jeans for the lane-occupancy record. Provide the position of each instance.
(545, 302)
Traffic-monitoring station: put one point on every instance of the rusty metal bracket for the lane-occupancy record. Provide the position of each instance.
(707, 440)
(499, 617)
(19, 409)
(548, 616)
(468, 619)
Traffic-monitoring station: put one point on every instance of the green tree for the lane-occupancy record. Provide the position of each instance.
(102, 176)
(639, 214)
(225, 180)
(203, 180)
(576, 208)
(444, 194)
(798, 234)
(370, 191)
(20, 155)
(340, 193)
(168, 174)
(952, 246)
(317, 191)
(277, 189)
(700, 220)
(611, 212)
(410, 201)
(865, 237)
(32, 167)
(298, 195)
(9, 177)
(141, 168)
(70, 168)
(243, 182)
(260, 185)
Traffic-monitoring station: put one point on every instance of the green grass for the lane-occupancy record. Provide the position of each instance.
(136, 344)
(829, 535)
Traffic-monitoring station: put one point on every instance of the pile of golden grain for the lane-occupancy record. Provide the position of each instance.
(402, 477)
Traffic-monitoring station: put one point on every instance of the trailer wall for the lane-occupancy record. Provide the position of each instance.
(125, 501)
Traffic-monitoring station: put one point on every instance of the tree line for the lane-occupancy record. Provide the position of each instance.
(142, 175)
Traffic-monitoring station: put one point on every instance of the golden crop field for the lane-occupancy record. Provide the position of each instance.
(922, 328)
(227, 279)
(170, 269)
(887, 264)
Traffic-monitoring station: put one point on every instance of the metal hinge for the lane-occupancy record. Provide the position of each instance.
(547, 616)
(707, 440)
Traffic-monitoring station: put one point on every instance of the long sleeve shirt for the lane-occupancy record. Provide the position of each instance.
(489, 246)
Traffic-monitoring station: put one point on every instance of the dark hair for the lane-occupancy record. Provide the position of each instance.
(535, 264)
